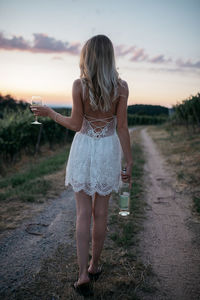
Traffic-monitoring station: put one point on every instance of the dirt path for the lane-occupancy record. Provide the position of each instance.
(170, 241)
(21, 252)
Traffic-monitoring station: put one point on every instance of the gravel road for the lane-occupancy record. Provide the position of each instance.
(170, 241)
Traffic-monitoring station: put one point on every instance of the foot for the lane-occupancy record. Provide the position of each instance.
(83, 280)
(77, 284)
(93, 269)
(84, 289)
(94, 272)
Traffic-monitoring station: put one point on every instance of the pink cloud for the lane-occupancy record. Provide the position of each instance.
(120, 51)
(14, 43)
(42, 43)
(139, 55)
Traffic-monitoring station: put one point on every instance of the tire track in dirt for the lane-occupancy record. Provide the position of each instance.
(170, 241)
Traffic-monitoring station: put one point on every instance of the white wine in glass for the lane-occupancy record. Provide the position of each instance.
(36, 100)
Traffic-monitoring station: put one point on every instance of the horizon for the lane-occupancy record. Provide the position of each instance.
(70, 106)
(158, 57)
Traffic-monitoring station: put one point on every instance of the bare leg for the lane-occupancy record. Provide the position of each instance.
(100, 212)
(83, 221)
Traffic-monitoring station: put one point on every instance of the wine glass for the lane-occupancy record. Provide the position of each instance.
(36, 100)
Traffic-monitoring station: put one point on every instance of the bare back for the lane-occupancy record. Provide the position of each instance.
(94, 116)
(97, 113)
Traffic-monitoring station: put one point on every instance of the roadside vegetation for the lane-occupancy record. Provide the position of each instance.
(187, 113)
(179, 140)
(30, 183)
(181, 148)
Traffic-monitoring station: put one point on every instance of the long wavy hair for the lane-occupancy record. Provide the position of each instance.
(98, 71)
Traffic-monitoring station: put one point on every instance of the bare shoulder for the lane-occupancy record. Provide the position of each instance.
(123, 88)
(77, 84)
(77, 89)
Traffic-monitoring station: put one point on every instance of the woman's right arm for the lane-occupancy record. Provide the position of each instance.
(123, 132)
(74, 122)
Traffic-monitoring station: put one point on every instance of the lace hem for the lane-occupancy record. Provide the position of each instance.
(92, 190)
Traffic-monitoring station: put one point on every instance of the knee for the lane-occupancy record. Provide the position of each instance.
(100, 215)
(84, 215)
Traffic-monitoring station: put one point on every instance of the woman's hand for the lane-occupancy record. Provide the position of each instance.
(127, 178)
(41, 110)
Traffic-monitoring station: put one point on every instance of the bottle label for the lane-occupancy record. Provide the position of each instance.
(124, 201)
(126, 193)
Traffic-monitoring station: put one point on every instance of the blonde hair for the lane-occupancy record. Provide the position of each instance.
(98, 71)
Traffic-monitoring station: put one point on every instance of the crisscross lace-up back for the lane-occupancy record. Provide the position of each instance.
(107, 128)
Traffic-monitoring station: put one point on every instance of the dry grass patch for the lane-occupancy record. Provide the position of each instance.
(182, 151)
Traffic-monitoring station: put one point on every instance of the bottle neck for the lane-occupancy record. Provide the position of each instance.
(124, 170)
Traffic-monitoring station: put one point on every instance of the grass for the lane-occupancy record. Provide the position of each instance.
(197, 203)
(129, 226)
(29, 184)
(182, 151)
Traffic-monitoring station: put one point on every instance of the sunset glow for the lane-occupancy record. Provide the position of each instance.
(156, 45)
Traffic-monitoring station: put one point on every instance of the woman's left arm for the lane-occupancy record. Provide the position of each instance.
(74, 122)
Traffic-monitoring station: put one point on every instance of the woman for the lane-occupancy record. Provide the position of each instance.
(94, 165)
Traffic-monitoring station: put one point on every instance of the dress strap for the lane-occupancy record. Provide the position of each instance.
(100, 119)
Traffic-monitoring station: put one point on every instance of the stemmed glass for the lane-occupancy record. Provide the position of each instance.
(36, 100)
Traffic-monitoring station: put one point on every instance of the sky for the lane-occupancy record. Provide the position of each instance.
(156, 42)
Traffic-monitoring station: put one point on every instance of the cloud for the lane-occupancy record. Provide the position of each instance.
(134, 53)
(45, 44)
(160, 59)
(187, 64)
(15, 42)
(139, 55)
(42, 43)
(120, 51)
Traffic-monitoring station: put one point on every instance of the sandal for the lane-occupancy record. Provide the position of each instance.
(84, 289)
(95, 276)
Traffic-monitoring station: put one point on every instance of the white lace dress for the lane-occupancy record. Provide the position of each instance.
(94, 163)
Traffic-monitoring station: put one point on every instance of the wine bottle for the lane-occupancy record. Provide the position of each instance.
(124, 197)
